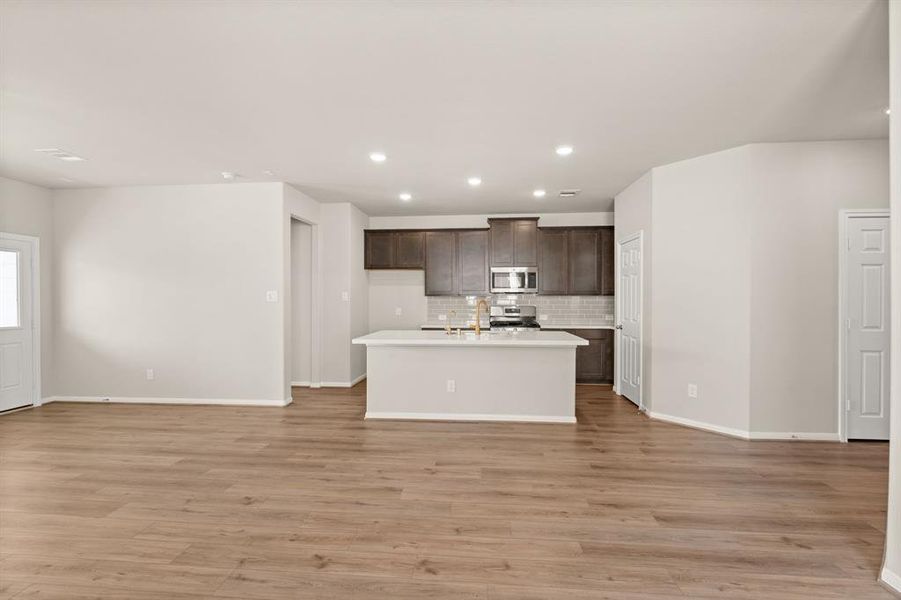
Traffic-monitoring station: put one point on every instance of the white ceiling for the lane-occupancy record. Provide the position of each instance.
(176, 92)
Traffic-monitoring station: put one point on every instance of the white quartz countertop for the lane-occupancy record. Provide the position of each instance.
(539, 339)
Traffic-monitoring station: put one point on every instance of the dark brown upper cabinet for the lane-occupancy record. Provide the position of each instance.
(379, 249)
(456, 262)
(608, 262)
(553, 257)
(513, 242)
(472, 262)
(386, 249)
(440, 263)
(575, 261)
(584, 262)
(409, 249)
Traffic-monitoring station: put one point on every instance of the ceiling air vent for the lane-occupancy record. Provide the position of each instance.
(568, 193)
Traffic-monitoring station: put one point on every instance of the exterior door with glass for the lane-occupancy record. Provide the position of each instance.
(17, 368)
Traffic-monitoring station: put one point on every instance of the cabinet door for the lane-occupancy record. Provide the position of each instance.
(502, 250)
(553, 248)
(409, 250)
(379, 249)
(591, 359)
(608, 278)
(440, 263)
(472, 253)
(525, 243)
(606, 342)
(584, 262)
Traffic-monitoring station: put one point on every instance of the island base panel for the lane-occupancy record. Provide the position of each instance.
(490, 384)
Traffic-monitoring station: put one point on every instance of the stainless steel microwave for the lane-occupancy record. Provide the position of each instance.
(514, 280)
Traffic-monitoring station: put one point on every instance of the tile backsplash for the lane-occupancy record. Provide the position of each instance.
(552, 310)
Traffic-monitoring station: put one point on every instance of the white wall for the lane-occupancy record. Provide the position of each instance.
(744, 276)
(798, 190)
(301, 302)
(632, 214)
(341, 246)
(359, 292)
(172, 278)
(390, 290)
(701, 283)
(27, 209)
(891, 571)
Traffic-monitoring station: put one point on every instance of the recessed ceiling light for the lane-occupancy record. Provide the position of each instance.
(538, 193)
(405, 196)
(568, 193)
(888, 111)
(378, 157)
(564, 150)
(228, 175)
(474, 181)
(70, 158)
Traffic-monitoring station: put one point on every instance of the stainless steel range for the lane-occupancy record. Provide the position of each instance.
(513, 318)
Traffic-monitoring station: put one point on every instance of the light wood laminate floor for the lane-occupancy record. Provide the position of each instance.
(139, 502)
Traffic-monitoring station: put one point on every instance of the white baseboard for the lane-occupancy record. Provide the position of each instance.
(798, 436)
(785, 436)
(404, 416)
(891, 579)
(133, 400)
(736, 433)
(342, 384)
(301, 384)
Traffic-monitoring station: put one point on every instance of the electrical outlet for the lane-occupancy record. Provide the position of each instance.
(542, 317)
(451, 385)
(398, 311)
(149, 374)
(442, 317)
(272, 296)
(692, 390)
(345, 296)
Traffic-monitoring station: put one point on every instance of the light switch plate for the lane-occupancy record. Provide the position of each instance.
(345, 296)
(149, 374)
(451, 385)
(272, 296)
(442, 317)
(692, 390)
(398, 311)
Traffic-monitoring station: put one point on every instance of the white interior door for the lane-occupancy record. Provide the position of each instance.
(629, 305)
(868, 328)
(16, 327)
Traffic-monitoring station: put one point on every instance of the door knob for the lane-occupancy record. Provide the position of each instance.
(619, 327)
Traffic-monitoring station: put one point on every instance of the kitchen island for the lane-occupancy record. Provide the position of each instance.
(495, 376)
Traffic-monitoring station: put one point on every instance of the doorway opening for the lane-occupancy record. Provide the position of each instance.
(301, 334)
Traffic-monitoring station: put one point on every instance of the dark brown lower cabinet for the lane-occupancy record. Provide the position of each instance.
(594, 362)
